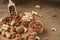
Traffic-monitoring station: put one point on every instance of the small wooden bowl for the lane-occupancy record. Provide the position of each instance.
(36, 26)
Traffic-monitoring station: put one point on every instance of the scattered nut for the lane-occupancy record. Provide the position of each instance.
(37, 6)
(53, 29)
(54, 15)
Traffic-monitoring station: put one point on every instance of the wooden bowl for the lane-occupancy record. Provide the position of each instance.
(36, 26)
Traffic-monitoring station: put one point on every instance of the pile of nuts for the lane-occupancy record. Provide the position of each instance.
(25, 27)
(21, 26)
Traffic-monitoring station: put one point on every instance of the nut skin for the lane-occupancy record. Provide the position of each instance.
(36, 26)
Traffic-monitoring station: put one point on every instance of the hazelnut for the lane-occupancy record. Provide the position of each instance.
(19, 29)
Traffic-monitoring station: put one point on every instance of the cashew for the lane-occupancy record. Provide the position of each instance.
(5, 27)
(53, 29)
(37, 37)
(25, 29)
(12, 22)
(33, 12)
(7, 34)
(37, 6)
(3, 33)
(27, 16)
